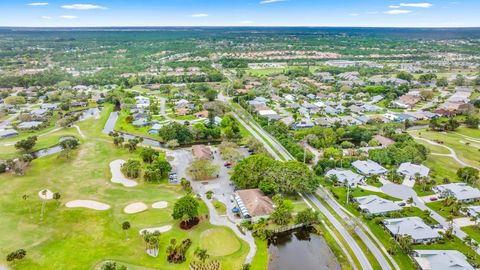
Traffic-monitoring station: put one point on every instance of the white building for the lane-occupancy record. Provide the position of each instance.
(347, 176)
(368, 167)
(374, 205)
(413, 226)
(411, 170)
(461, 191)
(441, 260)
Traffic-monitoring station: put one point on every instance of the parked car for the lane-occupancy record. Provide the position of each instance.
(402, 204)
(433, 199)
(227, 164)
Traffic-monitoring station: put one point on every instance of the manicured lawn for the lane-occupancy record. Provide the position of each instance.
(219, 242)
(79, 238)
(123, 126)
(455, 244)
(220, 207)
(441, 167)
(260, 261)
(474, 133)
(442, 210)
(473, 231)
(8, 150)
(469, 155)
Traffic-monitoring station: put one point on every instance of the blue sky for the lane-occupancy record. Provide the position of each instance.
(388, 13)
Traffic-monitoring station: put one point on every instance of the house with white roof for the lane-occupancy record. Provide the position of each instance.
(413, 226)
(29, 125)
(441, 260)
(411, 170)
(8, 133)
(473, 210)
(368, 167)
(142, 102)
(374, 205)
(346, 176)
(461, 191)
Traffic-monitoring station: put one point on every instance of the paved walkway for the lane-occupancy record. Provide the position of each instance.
(452, 154)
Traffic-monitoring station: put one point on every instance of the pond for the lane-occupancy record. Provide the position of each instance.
(300, 249)
(52, 150)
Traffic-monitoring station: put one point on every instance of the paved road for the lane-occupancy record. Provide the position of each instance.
(346, 235)
(253, 128)
(452, 154)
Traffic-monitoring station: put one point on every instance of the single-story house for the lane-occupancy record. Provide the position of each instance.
(304, 123)
(201, 114)
(48, 106)
(142, 122)
(8, 133)
(411, 170)
(383, 141)
(216, 121)
(368, 167)
(142, 102)
(348, 176)
(38, 112)
(413, 226)
(461, 191)
(270, 114)
(253, 203)
(473, 210)
(441, 260)
(29, 125)
(374, 205)
(201, 151)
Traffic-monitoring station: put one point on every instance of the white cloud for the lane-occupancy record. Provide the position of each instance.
(83, 6)
(394, 6)
(200, 15)
(416, 5)
(270, 1)
(354, 14)
(36, 4)
(68, 17)
(397, 11)
(47, 17)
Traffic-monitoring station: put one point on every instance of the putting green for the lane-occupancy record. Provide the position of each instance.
(219, 242)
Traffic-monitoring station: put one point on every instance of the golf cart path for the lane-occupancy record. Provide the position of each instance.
(452, 154)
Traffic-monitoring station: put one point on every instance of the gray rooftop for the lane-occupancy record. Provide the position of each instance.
(441, 260)
(410, 169)
(345, 175)
(368, 167)
(460, 191)
(376, 205)
(413, 226)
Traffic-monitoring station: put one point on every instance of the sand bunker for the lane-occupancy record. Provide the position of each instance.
(117, 175)
(160, 205)
(135, 208)
(162, 229)
(88, 204)
(45, 194)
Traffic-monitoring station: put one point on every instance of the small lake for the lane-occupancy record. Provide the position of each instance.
(52, 150)
(300, 249)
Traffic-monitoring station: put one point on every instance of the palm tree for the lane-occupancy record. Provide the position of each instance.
(126, 226)
(25, 198)
(56, 197)
(201, 254)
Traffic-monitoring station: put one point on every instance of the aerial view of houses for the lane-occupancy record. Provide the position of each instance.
(238, 147)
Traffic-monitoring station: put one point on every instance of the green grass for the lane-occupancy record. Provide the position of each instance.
(220, 207)
(82, 238)
(469, 155)
(123, 126)
(442, 210)
(219, 242)
(455, 244)
(472, 231)
(260, 261)
(441, 167)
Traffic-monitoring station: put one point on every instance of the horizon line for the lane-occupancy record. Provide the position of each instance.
(247, 26)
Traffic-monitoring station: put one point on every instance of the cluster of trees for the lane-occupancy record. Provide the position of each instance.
(16, 255)
(27, 144)
(113, 266)
(185, 209)
(440, 125)
(202, 169)
(274, 177)
(176, 131)
(395, 154)
(233, 63)
(281, 133)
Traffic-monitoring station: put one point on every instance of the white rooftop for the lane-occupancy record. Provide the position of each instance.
(376, 205)
(368, 167)
(441, 260)
(345, 175)
(413, 226)
(411, 170)
(460, 191)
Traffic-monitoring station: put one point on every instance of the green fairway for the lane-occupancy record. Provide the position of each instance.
(80, 238)
(465, 150)
(219, 242)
